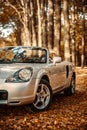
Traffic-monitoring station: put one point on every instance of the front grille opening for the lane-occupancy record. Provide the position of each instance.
(3, 95)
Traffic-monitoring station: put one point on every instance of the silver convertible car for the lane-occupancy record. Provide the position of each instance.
(31, 75)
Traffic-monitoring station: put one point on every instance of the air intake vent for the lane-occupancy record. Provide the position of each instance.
(3, 95)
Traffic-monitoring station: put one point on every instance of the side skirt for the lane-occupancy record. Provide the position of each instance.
(58, 90)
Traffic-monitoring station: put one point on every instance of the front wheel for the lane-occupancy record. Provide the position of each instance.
(43, 97)
(71, 90)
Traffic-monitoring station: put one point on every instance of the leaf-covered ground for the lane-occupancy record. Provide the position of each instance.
(65, 113)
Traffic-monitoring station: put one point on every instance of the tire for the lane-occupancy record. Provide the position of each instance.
(43, 97)
(71, 90)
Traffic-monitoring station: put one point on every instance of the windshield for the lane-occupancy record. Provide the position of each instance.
(23, 55)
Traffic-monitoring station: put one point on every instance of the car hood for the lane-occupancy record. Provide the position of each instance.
(7, 70)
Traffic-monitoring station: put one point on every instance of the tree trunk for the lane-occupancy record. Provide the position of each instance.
(50, 24)
(39, 23)
(83, 37)
(66, 31)
(76, 42)
(25, 37)
(44, 23)
(57, 26)
(18, 39)
(32, 27)
(73, 33)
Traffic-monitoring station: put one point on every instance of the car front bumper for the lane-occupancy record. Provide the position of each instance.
(17, 93)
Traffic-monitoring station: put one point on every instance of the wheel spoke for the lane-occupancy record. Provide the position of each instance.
(43, 103)
(37, 98)
(46, 95)
(73, 83)
(73, 86)
(37, 94)
(42, 88)
(37, 101)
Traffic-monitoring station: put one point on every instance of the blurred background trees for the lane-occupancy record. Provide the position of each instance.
(59, 25)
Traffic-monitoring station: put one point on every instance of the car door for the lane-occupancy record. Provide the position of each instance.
(57, 75)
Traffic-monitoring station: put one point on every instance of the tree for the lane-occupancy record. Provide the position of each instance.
(39, 23)
(44, 23)
(31, 23)
(83, 35)
(21, 9)
(57, 26)
(73, 31)
(50, 25)
(66, 31)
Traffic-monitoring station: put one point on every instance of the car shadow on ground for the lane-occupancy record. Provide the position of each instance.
(59, 101)
(62, 100)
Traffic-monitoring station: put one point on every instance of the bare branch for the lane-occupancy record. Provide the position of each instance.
(7, 3)
(22, 3)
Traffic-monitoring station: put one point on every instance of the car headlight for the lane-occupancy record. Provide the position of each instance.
(22, 75)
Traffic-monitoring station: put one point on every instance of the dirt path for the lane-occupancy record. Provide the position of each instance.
(65, 113)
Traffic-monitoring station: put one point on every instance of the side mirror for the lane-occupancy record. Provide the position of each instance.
(57, 60)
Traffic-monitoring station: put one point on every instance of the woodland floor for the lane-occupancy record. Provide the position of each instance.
(65, 113)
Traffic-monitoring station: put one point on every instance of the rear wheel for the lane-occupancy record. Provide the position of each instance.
(71, 90)
(43, 97)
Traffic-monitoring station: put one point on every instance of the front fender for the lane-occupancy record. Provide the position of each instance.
(39, 76)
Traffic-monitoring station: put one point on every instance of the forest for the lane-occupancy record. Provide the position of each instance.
(59, 25)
